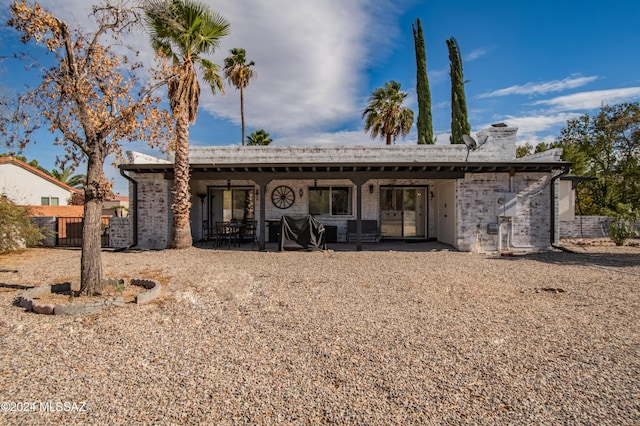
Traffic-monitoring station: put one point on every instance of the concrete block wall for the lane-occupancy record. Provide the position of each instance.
(153, 209)
(478, 206)
(588, 227)
(585, 227)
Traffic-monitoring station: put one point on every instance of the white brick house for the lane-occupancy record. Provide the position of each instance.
(481, 200)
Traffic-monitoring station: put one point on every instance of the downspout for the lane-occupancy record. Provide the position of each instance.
(135, 207)
(565, 170)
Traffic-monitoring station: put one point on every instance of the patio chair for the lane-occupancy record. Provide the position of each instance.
(222, 233)
(248, 231)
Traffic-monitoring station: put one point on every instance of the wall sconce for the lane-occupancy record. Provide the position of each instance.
(431, 194)
(370, 189)
(228, 184)
(257, 193)
(315, 183)
(301, 193)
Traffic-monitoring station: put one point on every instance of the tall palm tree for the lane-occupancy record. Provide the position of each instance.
(239, 73)
(183, 31)
(385, 115)
(259, 137)
(66, 176)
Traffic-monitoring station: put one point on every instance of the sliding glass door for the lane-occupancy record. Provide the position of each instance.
(402, 212)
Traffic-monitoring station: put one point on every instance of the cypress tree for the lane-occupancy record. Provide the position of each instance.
(459, 116)
(424, 124)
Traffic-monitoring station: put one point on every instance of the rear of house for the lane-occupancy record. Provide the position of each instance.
(478, 200)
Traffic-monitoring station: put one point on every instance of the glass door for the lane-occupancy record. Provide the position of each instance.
(233, 204)
(402, 212)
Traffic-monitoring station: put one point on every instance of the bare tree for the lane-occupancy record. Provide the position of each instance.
(92, 99)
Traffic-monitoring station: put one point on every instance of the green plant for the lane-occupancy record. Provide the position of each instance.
(118, 285)
(16, 229)
(621, 227)
(620, 231)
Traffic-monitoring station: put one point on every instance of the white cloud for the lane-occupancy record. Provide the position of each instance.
(541, 88)
(592, 100)
(475, 54)
(310, 59)
(537, 123)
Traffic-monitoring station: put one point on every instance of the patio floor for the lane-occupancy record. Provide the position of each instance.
(418, 246)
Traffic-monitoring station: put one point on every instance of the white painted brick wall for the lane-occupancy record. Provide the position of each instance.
(120, 232)
(154, 210)
(478, 206)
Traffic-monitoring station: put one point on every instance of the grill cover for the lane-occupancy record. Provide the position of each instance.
(301, 233)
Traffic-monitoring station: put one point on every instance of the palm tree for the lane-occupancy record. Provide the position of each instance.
(183, 31)
(66, 176)
(239, 73)
(385, 116)
(259, 137)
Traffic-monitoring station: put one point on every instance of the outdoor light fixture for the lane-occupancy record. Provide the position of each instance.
(228, 184)
(370, 189)
(301, 192)
(315, 183)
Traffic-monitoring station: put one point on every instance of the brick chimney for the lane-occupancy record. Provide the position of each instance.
(500, 142)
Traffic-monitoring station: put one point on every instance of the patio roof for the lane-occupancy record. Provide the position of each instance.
(349, 170)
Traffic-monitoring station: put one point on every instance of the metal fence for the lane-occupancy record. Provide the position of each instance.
(67, 231)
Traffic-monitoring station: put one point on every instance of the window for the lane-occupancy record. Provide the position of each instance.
(49, 201)
(333, 201)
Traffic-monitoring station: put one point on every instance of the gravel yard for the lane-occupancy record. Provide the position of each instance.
(372, 337)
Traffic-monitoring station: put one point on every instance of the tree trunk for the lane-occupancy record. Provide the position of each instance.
(389, 139)
(181, 233)
(91, 261)
(242, 112)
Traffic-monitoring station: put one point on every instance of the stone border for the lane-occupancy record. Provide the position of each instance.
(152, 289)
(29, 299)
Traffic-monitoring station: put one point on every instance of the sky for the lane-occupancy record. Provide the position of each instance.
(530, 64)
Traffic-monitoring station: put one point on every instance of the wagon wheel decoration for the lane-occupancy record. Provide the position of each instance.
(283, 197)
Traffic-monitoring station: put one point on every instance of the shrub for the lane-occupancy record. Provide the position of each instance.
(620, 231)
(621, 227)
(16, 229)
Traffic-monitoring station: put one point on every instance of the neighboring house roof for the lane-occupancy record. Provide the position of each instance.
(40, 173)
(119, 198)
